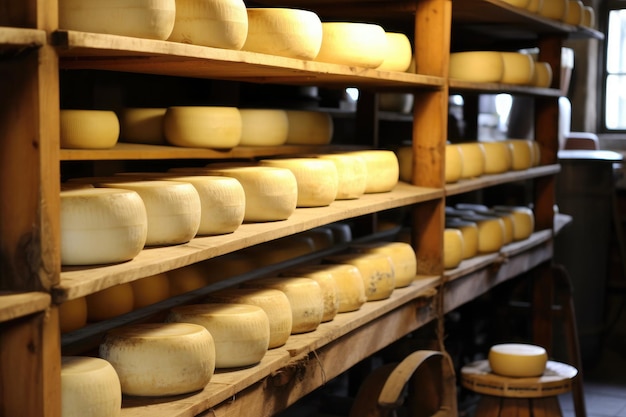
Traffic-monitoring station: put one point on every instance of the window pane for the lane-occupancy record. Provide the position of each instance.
(615, 115)
(616, 42)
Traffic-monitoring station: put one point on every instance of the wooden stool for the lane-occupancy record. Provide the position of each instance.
(522, 397)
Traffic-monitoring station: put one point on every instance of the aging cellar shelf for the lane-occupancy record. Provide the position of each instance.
(459, 86)
(15, 305)
(14, 41)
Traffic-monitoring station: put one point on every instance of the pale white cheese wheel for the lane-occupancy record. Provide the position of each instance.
(291, 33)
(305, 298)
(316, 178)
(100, 226)
(517, 360)
(476, 66)
(308, 127)
(89, 387)
(157, 359)
(202, 126)
(490, 232)
(473, 159)
(402, 256)
(263, 127)
(72, 314)
(497, 157)
(521, 154)
(216, 23)
(383, 169)
(173, 209)
(110, 302)
(241, 332)
(376, 271)
(151, 19)
(454, 162)
(351, 175)
(518, 68)
(469, 230)
(274, 302)
(352, 43)
(327, 285)
(398, 54)
(150, 290)
(452, 248)
(88, 129)
(142, 125)
(542, 77)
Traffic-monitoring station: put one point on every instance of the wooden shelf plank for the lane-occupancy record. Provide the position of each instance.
(16, 40)
(485, 181)
(460, 86)
(81, 50)
(15, 305)
(78, 281)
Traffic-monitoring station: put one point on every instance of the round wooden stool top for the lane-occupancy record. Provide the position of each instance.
(556, 379)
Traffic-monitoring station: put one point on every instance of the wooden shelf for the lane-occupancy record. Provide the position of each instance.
(459, 86)
(14, 41)
(15, 305)
(79, 281)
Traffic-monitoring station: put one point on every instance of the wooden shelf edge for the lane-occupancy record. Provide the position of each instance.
(15, 40)
(16, 305)
(459, 86)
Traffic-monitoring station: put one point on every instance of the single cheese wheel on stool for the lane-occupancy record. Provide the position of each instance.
(452, 248)
(88, 129)
(353, 44)
(142, 125)
(383, 169)
(202, 126)
(308, 127)
(376, 271)
(402, 256)
(351, 175)
(89, 387)
(263, 127)
(517, 360)
(100, 226)
(159, 359)
(477, 66)
(241, 332)
(398, 55)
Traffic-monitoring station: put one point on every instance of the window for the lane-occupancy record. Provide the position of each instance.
(615, 76)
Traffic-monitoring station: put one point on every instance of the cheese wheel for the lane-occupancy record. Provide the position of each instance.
(507, 221)
(351, 175)
(453, 163)
(574, 12)
(158, 359)
(396, 102)
(89, 387)
(327, 285)
(241, 332)
(588, 17)
(101, 226)
(523, 218)
(216, 23)
(88, 129)
(398, 53)
(542, 76)
(142, 125)
(274, 303)
(305, 298)
(173, 209)
(110, 302)
(383, 169)
(497, 157)
(263, 127)
(554, 9)
(186, 279)
(469, 230)
(353, 44)
(291, 33)
(72, 314)
(150, 290)
(518, 68)
(151, 19)
(322, 237)
(476, 66)
(222, 202)
(490, 232)
(202, 126)
(316, 179)
(533, 6)
(521, 154)
(405, 163)
(402, 256)
(376, 271)
(518, 360)
(453, 250)
(536, 160)
(473, 159)
(307, 127)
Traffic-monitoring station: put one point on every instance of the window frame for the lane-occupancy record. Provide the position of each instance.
(603, 24)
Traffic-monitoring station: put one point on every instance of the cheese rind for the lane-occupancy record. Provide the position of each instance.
(517, 360)
(142, 125)
(263, 127)
(351, 175)
(383, 169)
(376, 271)
(476, 66)
(402, 256)
(398, 55)
(110, 302)
(453, 250)
(473, 159)
(354, 44)
(72, 314)
(327, 285)
(521, 154)
(150, 290)
(202, 126)
(454, 163)
(497, 157)
(88, 129)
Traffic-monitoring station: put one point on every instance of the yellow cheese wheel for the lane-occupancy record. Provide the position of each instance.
(88, 129)
(241, 332)
(542, 76)
(533, 6)
(72, 314)
(376, 271)
(353, 43)
(518, 360)
(151, 19)
(398, 54)
(316, 178)
(186, 279)
(202, 126)
(89, 387)
(328, 286)
(452, 248)
(521, 154)
(490, 232)
(509, 225)
(110, 302)
(142, 125)
(469, 230)
(351, 175)
(518, 68)
(523, 219)
(263, 127)
(150, 290)
(308, 127)
(216, 23)
(554, 9)
(402, 256)
(473, 159)
(383, 169)
(101, 226)
(292, 33)
(158, 359)
(497, 157)
(574, 12)
(588, 17)
(476, 66)
(453, 163)
(274, 303)
(405, 163)
(536, 153)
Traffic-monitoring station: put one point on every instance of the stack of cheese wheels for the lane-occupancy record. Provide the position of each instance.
(316, 178)
(88, 129)
(305, 298)
(150, 290)
(542, 76)
(158, 359)
(376, 271)
(173, 209)
(241, 332)
(110, 302)
(490, 232)
(348, 283)
(72, 314)
(89, 387)
(100, 226)
(554, 9)
(142, 125)
(263, 127)
(523, 220)
(521, 154)
(322, 237)
(274, 303)
(216, 23)
(188, 278)
(398, 54)
(292, 33)
(383, 169)
(517, 360)
(518, 68)
(351, 175)
(280, 250)
(574, 13)
(327, 285)
(202, 126)
(151, 19)
(308, 127)
(402, 256)
(453, 248)
(497, 157)
(353, 43)
(469, 230)
(476, 66)
(473, 159)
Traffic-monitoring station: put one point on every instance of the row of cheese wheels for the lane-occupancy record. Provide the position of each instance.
(475, 229)
(473, 159)
(288, 32)
(572, 12)
(234, 327)
(111, 219)
(216, 127)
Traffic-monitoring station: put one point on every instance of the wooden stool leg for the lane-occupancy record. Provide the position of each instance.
(546, 407)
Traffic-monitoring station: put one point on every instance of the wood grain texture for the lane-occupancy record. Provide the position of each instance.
(15, 305)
